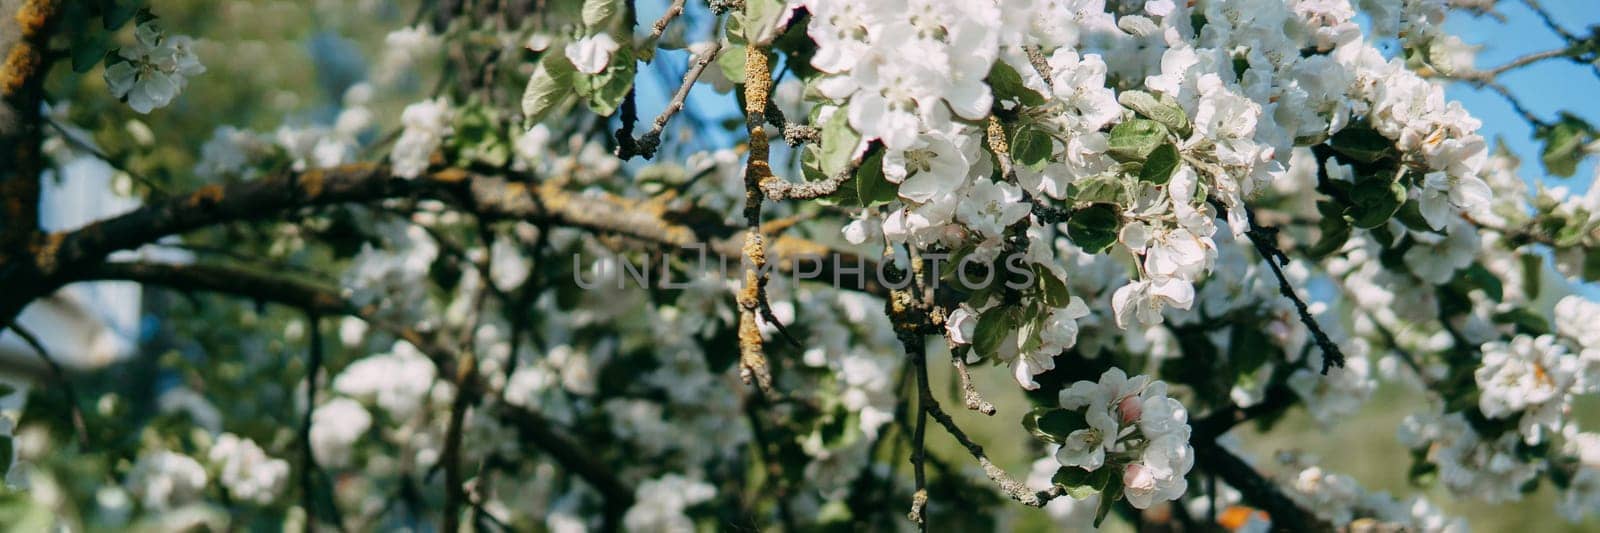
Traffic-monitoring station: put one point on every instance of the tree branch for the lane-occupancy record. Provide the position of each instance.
(1265, 240)
(27, 63)
(651, 221)
(648, 143)
(325, 300)
(78, 425)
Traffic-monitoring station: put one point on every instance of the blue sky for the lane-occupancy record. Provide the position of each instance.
(1544, 88)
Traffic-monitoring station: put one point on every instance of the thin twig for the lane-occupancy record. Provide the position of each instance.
(648, 143)
(1008, 485)
(660, 26)
(308, 466)
(1265, 240)
(969, 391)
(78, 425)
(919, 447)
(1550, 21)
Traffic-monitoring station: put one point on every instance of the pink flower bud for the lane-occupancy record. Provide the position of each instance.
(1138, 477)
(1130, 409)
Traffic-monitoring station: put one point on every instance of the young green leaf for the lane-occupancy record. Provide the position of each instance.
(1362, 144)
(993, 327)
(1094, 228)
(551, 83)
(1563, 144)
(1133, 140)
(1373, 200)
(871, 187)
(1158, 168)
(1162, 109)
(838, 143)
(1031, 148)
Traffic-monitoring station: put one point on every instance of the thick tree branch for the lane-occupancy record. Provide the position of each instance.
(488, 196)
(1256, 489)
(27, 62)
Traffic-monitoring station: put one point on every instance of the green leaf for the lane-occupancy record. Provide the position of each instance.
(838, 143)
(1094, 228)
(1053, 424)
(1533, 271)
(1055, 291)
(1158, 168)
(1108, 498)
(1082, 483)
(20, 512)
(88, 49)
(1410, 214)
(1007, 85)
(597, 12)
(1373, 200)
(115, 13)
(871, 187)
(993, 326)
(1162, 109)
(550, 85)
(1525, 320)
(1563, 144)
(1480, 277)
(1133, 140)
(1591, 266)
(759, 20)
(731, 61)
(1335, 230)
(1101, 189)
(1362, 144)
(603, 92)
(1031, 148)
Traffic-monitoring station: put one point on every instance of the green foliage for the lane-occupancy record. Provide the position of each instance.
(871, 187)
(1053, 425)
(1008, 87)
(1374, 199)
(597, 13)
(1362, 143)
(1563, 143)
(1163, 161)
(480, 136)
(993, 327)
(548, 88)
(1162, 109)
(1082, 483)
(1094, 228)
(838, 144)
(603, 92)
(1031, 147)
(1133, 140)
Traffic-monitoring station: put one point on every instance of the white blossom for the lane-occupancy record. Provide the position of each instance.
(335, 427)
(247, 471)
(163, 479)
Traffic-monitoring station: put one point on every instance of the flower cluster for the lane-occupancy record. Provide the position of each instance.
(659, 503)
(1340, 500)
(247, 471)
(1532, 379)
(426, 124)
(151, 72)
(1134, 428)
